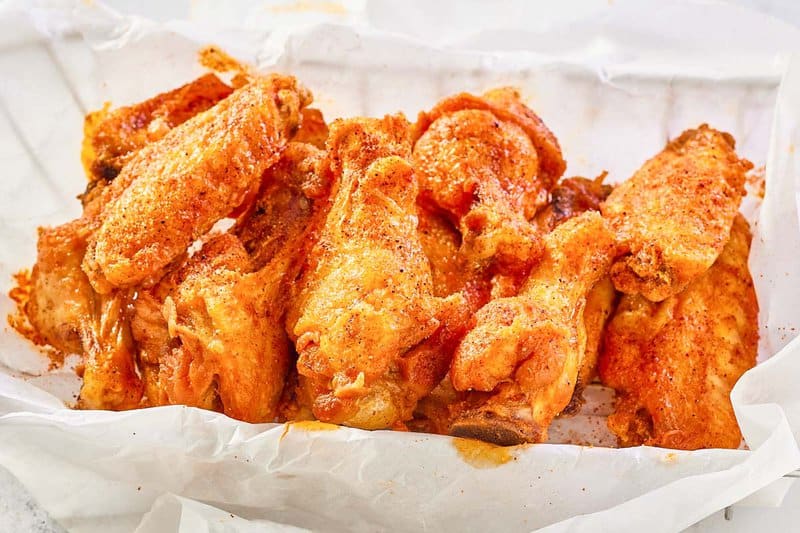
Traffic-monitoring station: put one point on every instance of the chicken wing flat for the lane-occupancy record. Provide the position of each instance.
(111, 137)
(61, 295)
(527, 349)
(232, 352)
(365, 300)
(489, 163)
(674, 215)
(212, 333)
(196, 174)
(674, 363)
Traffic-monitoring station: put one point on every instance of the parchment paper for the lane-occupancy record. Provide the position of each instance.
(614, 82)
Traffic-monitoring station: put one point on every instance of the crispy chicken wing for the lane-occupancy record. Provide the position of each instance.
(365, 304)
(232, 352)
(527, 349)
(61, 296)
(63, 307)
(571, 197)
(674, 363)
(110, 378)
(674, 215)
(488, 162)
(112, 137)
(196, 174)
(211, 334)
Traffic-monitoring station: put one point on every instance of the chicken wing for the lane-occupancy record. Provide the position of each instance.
(527, 349)
(231, 350)
(112, 137)
(571, 197)
(63, 307)
(365, 303)
(488, 162)
(211, 334)
(110, 377)
(196, 174)
(674, 215)
(674, 363)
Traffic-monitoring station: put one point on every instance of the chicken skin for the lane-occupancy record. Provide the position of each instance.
(674, 215)
(365, 302)
(569, 198)
(231, 352)
(212, 333)
(674, 363)
(527, 349)
(112, 137)
(196, 174)
(488, 162)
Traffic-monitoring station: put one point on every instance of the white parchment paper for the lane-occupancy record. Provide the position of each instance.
(614, 82)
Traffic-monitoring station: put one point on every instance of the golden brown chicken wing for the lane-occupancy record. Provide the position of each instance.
(527, 349)
(111, 137)
(196, 174)
(110, 378)
(63, 307)
(488, 162)
(569, 198)
(232, 352)
(211, 334)
(674, 363)
(365, 304)
(674, 215)
(61, 296)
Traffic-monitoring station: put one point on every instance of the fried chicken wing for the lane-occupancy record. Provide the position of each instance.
(527, 349)
(674, 215)
(72, 318)
(674, 363)
(211, 334)
(61, 295)
(110, 378)
(488, 162)
(365, 303)
(111, 137)
(232, 351)
(196, 174)
(569, 198)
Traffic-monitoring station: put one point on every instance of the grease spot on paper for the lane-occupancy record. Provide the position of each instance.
(482, 454)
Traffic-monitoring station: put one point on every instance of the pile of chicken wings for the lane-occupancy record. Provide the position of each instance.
(239, 254)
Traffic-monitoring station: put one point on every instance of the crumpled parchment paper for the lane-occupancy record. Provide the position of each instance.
(614, 82)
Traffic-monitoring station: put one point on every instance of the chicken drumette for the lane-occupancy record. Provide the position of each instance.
(527, 349)
(488, 162)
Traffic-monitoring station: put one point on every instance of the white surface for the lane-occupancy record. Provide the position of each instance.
(223, 455)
